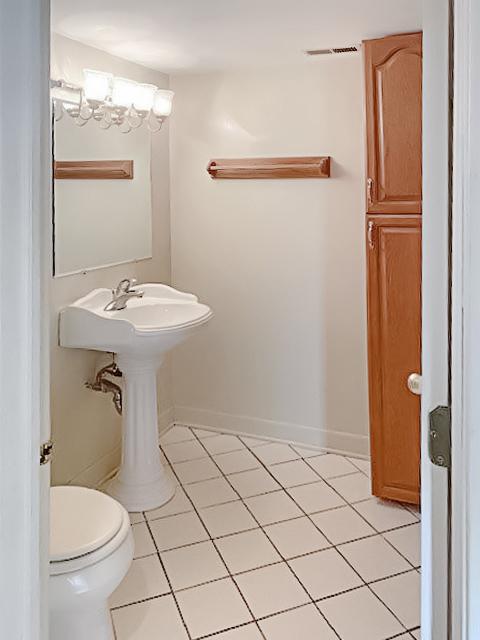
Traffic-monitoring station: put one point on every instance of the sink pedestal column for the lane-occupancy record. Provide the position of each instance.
(142, 482)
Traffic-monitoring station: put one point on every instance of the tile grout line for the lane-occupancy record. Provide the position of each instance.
(221, 558)
(260, 526)
(224, 476)
(334, 546)
(168, 580)
(321, 479)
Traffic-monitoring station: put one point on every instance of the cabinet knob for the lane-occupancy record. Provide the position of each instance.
(414, 383)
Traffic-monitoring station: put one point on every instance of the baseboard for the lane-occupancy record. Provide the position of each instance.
(166, 419)
(98, 472)
(334, 441)
(106, 467)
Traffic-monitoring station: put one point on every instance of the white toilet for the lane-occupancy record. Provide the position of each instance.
(91, 550)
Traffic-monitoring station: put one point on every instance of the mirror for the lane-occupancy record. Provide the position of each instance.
(102, 196)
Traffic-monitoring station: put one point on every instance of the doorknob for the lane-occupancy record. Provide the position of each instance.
(414, 383)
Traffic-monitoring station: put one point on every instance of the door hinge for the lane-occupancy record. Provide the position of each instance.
(46, 452)
(439, 443)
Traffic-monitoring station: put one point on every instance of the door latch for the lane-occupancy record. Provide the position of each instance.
(439, 442)
(46, 452)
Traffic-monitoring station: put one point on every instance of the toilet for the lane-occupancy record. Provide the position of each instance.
(91, 550)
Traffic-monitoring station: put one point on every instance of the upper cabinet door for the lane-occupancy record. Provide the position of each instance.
(393, 70)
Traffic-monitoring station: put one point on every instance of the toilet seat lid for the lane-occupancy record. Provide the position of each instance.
(81, 521)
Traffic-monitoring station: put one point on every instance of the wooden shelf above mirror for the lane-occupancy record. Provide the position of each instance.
(93, 170)
(270, 168)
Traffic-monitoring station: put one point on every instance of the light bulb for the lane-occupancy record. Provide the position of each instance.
(144, 94)
(97, 85)
(162, 104)
(123, 92)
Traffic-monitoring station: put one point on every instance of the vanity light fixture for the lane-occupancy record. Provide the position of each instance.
(112, 101)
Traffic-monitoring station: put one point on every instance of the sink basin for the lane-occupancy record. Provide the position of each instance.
(140, 335)
(150, 325)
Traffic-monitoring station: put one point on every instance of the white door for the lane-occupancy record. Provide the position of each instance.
(435, 322)
(25, 230)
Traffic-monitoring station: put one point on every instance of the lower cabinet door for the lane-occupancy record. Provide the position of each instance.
(394, 350)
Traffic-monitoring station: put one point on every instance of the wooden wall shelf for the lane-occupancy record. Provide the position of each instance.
(270, 168)
(94, 170)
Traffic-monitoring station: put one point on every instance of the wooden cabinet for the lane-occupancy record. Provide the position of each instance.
(393, 82)
(393, 72)
(394, 334)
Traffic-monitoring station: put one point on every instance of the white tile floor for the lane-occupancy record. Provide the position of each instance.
(269, 541)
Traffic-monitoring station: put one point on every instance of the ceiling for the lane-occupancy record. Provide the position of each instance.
(197, 35)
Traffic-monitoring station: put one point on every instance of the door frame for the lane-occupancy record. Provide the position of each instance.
(465, 480)
(25, 268)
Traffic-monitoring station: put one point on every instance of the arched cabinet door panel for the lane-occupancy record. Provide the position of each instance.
(393, 83)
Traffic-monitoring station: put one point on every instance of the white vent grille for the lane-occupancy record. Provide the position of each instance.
(326, 52)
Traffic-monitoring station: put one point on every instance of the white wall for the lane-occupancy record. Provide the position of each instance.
(281, 262)
(85, 427)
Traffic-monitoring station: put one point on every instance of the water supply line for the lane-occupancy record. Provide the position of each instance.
(104, 385)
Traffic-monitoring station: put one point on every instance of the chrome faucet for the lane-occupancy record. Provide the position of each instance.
(122, 294)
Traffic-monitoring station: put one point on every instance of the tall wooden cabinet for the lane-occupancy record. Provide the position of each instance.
(393, 70)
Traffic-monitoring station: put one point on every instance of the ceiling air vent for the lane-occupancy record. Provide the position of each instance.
(326, 52)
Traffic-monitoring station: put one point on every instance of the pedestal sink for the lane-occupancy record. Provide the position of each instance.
(140, 335)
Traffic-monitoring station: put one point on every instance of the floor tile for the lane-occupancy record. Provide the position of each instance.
(325, 573)
(247, 632)
(144, 545)
(144, 620)
(401, 594)
(416, 634)
(271, 590)
(251, 443)
(184, 451)
(253, 483)
(384, 515)
(204, 433)
(302, 623)
(236, 461)
(308, 452)
(331, 465)
(353, 488)
(211, 608)
(177, 531)
(359, 615)
(296, 537)
(273, 507)
(276, 452)
(145, 579)
(190, 566)
(373, 558)
(210, 492)
(136, 517)
(178, 504)
(223, 444)
(414, 509)
(294, 473)
(225, 519)
(363, 465)
(342, 525)
(196, 470)
(247, 550)
(407, 541)
(316, 497)
(176, 434)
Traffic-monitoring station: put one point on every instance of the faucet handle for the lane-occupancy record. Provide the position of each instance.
(125, 286)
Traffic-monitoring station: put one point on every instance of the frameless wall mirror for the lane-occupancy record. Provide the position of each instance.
(102, 196)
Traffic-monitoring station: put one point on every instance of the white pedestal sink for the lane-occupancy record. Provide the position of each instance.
(140, 335)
